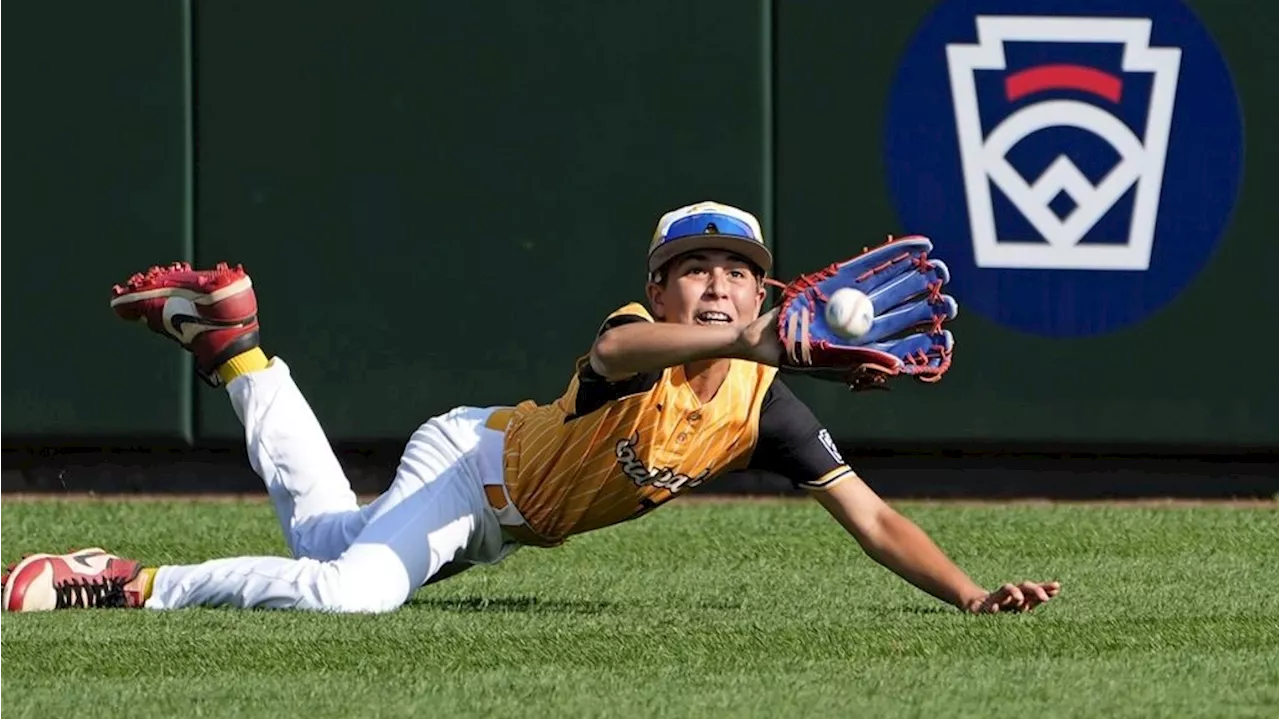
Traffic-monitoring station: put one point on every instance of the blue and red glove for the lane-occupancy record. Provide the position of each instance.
(906, 337)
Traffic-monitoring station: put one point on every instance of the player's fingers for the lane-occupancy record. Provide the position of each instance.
(1037, 593)
(1023, 600)
(1013, 595)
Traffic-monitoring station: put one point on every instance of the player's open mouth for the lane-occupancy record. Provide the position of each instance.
(712, 318)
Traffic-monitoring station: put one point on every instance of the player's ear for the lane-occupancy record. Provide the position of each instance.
(657, 302)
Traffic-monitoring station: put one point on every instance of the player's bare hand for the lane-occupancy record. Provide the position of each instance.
(1022, 597)
(759, 342)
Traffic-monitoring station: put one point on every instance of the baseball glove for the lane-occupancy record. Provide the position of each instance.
(906, 338)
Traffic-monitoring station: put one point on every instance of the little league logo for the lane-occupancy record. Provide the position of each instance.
(985, 159)
(1075, 170)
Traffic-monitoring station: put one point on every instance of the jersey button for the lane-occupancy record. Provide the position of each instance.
(682, 436)
(695, 416)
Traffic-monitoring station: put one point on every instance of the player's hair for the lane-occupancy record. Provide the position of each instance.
(662, 274)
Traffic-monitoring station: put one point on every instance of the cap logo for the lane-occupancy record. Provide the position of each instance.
(711, 229)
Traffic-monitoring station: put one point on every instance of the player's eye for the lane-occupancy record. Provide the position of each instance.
(738, 274)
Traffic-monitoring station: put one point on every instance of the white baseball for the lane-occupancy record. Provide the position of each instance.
(850, 313)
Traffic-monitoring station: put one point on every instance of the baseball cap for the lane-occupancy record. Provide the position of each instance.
(708, 226)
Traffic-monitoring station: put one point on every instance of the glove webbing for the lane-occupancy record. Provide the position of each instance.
(801, 319)
(797, 330)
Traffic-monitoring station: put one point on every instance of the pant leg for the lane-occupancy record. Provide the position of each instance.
(434, 513)
(287, 447)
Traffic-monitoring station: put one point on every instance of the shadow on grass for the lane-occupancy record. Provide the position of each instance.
(526, 605)
(914, 609)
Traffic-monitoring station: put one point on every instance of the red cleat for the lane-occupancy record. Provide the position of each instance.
(211, 313)
(87, 578)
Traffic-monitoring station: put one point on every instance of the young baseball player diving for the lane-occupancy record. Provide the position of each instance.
(672, 393)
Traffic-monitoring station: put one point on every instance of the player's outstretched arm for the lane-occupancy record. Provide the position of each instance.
(653, 346)
(897, 543)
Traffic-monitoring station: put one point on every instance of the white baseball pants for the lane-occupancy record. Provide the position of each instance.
(348, 558)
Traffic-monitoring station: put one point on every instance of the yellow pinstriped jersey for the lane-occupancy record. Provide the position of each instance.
(606, 452)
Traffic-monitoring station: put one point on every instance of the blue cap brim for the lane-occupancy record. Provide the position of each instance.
(753, 251)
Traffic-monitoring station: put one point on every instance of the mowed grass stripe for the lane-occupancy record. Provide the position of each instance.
(745, 609)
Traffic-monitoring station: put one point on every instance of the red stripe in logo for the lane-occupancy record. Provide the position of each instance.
(1062, 77)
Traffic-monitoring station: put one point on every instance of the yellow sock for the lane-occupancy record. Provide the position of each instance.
(243, 363)
(148, 579)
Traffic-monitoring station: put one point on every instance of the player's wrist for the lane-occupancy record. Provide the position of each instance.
(757, 341)
(971, 601)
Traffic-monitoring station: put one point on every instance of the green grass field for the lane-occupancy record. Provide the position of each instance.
(759, 609)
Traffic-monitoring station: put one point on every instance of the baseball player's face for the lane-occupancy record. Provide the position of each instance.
(708, 287)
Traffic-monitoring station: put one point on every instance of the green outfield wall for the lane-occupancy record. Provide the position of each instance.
(439, 202)
(97, 186)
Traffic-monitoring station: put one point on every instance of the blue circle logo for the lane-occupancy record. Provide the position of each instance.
(1075, 171)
